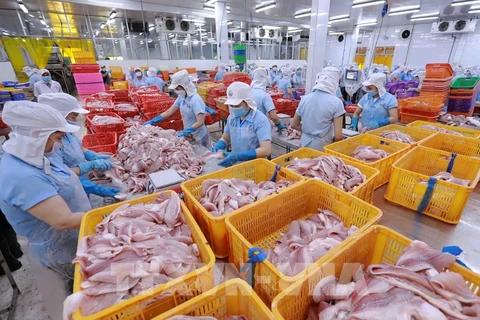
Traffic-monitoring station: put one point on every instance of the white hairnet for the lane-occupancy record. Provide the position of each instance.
(151, 72)
(379, 80)
(238, 92)
(327, 80)
(32, 124)
(287, 74)
(42, 71)
(35, 70)
(137, 68)
(222, 67)
(182, 78)
(27, 70)
(62, 102)
(260, 79)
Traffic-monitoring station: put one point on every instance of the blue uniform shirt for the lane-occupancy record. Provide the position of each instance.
(339, 93)
(376, 110)
(139, 83)
(155, 81)
(276, 79)
(263, 100)
(297, 81)
(190, 107)
(219, 75)
(283, 84)
(246, 135)
(71, 153)
(34, 78)
(407, 77)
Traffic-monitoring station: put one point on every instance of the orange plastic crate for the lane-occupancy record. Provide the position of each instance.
(157, 105)
(113, 127)
(407, 118)
(101, 142)
(88, 104)
(126, 114)
(438, 71)
(211, 119)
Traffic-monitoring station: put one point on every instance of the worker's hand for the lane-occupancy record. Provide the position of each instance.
(234, 157)
(347, 103)
(229, 161)
(211, 111)
(100, 164)
(379, 123)
(106, 191)
(354, 125)
(281, 126)
(186, 132)
(90, 155)
(154, 121)
(221, 145)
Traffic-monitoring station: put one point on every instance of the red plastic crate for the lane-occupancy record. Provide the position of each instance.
(276, 94)
(150, 115)
(210, 119)
(173, 124)
(126, 114)
(118, 93)
(84, 68)
(155, 97)
(103, 95)
(101, 142)
(3, 125)
(157, 106)
(114, 127)
(95, 109)
(90, 88)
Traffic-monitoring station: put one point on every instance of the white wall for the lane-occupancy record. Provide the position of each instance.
(7, 72)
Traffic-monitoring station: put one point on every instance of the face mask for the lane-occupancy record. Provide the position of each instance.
(72, 122)
(299, 73)
(55, 148)
(47, 78)
(180, 93)
(371, 93)
(238, 112)
(274, 69)
(138, 74)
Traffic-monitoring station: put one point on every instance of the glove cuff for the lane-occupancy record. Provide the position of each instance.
(221, 145)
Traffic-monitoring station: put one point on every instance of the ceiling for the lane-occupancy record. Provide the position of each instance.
(67, 15)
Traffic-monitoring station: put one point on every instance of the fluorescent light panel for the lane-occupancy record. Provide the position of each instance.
(267, 7)
(404, 10)
(367, 23)
(464, 3)
(210, 2)
(112, 14)
(229, 23)
(423, 15)
(303, 13)
(342, 16)
(335, 33)
(22, 6)
(339, 20)
(363, 3)
(474, 11)
(43, 22)
(424, 19)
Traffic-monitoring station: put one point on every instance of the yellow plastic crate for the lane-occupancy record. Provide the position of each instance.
(214, 228)
(232, 298)
(448, 199)
(376, 245)
(395, 149)
(262, 225)
(467, 132)
(417, 134)
(451, 143)
(157, 300)
(364, 191)
(117, 72)
(123, 85)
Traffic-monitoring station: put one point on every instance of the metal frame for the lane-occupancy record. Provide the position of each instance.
(16, 291)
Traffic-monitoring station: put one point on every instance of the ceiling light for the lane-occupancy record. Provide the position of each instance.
(293, 30)
(339, 20)
(151, 28)
(366, 3)
(5, 33)
(31, 15)
(171, 36)
(265, 6)
(271, 27)
(43, 22)
(367, 23)
(342, 16)
(234, 30)
(423, 15)
(102, 25)
(112, 14)
(474, 11)
(464, 3)
(229, 23)
(404, 10)
(141, 33)
(22, 6)
(199, 24)
(423, 19)
(194, 20)
(210, 2)
(306, 26)
(303, 13)
(150, 41)
(331, 33)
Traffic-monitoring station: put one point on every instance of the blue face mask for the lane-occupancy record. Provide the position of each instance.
(47, 78)
(299, 73)
(72, 122)
(371, 94)
(238, 112)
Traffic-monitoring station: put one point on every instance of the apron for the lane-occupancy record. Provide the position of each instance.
(314, 142)
(72, 151)
(55, 249)
(243, 138)
(200, 136)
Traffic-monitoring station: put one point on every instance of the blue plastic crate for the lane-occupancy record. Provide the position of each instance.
(9, 84)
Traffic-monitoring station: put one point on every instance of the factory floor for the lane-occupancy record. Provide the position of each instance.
(434, 232)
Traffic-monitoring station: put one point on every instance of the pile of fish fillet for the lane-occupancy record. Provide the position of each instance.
(306, 241)
(148, 149)
(102, 120)
(134, 249)
(206, 318)
(331, 170)
(223, 196)
(397, 136)
(448, 177)
(442, 130)
(460, 121)
(368, 153)
(416, 287)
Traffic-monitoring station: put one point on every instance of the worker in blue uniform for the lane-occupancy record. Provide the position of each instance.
(153, 80)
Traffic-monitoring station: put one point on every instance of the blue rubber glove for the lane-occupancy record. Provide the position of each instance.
(94, 188)
(221, 145)
(347, 103)
(186, 132)
(354, 125)
(211, 111)
(100, 164)
(90, 155)
(233, 158)
(378, 124)
(281, 126)
(154, 121)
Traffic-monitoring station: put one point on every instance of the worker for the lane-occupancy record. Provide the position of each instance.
(237, 68)
(407, 76)
(262, 98)
(297, 80)
(378, 107)
(285, 84)
(221, 72)
(320, 114)
(43, 200)
(46, 85)
(105, 75)
(34, 77)
(277, 78)
(153, 80)
(274, 72)
(247, 130)
(139, 80)
(191, 107)
(72, 154)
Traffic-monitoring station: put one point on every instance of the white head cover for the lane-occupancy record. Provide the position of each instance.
(287, 74)
(260, 79)
(27, 70)
(35, 70)
(222, 67)
(327, 80)
(32, 124)
(42, 71)
(378, 80)
(151, 72)
(137, 69)
(62, 102)
(182, 78)
(238, 92)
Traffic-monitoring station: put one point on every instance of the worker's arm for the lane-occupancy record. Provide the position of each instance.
(296, 123)
(200, 121)
(76, 170)
(337, 126)
(274, 116)
(55, 212)
(36, 92)
(265, 149)
(226, 138)
(167, 114)
(290, 92)
(357, 112)
(393, 115)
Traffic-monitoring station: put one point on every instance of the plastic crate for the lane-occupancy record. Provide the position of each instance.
(90, 88)
(262, 225)
(126, 114)
(101, 142)
(232, 298)
(214, 228)
(466, 132)
(211, 119)
(85, 68)
(410, 173)
(88, 78)
(158, 105)
(469, 147)
(364, 191)
(157, 300)
(118, 93)
(117, 72)
(96, 109)
(407, 118)
(417, 134)
(438, 71)
(155, 97)
(176, 116)
(113, 127)
(276, 94)
(396, 149)
(467, 83)
(422, 108)
(222, 107)
(121, 85)
(376, 245)
(460, 104)
(9, 84)
(406, 94)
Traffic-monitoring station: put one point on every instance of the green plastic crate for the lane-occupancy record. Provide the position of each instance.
(465, 83)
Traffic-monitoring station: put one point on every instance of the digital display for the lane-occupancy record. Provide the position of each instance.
(351, 75)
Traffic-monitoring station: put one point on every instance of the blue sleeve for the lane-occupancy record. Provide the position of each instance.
(338, 109)
(268, 103)
(301, 107)
(339, 93)
(392, 102)
(217, 78)
(363, 102)
(289, 84)
(198, 106)
(263, 130)
(177, 102)
(26, 194)
(227, 126)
